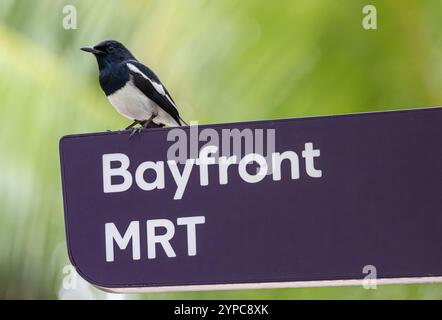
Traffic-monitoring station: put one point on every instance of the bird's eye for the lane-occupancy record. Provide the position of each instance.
(110, 48)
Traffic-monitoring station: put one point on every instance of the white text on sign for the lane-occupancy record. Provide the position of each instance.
(132, 235)
(203, 161)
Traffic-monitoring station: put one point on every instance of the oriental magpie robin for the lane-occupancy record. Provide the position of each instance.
(132, 88)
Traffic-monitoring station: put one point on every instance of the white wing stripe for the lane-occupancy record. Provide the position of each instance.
(158, 87)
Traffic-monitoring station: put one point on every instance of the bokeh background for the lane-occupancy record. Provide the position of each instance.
(222, 61)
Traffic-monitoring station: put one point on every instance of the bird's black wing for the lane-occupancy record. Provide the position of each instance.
(145, 80)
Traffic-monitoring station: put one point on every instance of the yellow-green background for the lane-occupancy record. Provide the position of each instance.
(223, 60)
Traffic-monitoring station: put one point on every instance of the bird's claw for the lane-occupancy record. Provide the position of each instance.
(135, 130)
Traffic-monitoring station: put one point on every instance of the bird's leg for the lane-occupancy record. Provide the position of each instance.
(145, 123)
(132, 124)
(139, 129)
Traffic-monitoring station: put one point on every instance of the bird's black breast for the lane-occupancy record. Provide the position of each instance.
(113, 78)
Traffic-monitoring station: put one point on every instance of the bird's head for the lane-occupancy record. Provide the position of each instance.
(109, 52)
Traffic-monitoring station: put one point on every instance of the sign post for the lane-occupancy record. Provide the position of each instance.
(283, 203)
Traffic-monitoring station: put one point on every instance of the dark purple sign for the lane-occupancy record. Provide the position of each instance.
(300, 202)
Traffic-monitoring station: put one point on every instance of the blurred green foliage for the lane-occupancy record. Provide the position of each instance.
(222, 61)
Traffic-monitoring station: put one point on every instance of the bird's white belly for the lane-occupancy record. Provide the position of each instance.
(130, 102)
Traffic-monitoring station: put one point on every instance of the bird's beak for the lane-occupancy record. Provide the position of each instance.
(92, 50)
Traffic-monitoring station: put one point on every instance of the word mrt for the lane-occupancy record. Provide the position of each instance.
(132, 235)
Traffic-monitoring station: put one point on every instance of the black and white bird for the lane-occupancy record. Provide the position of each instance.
(132, 88)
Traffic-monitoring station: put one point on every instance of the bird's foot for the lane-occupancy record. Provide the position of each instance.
(135, 130)
(144, 125)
